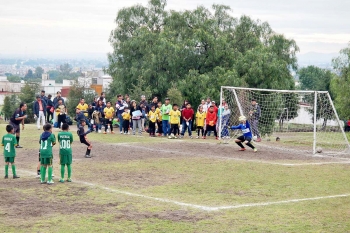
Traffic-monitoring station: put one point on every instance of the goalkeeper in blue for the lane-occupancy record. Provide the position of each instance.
(247, 136)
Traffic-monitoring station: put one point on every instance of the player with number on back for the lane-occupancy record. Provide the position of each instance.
(47, 141)
(247, 134)
(9, 142)
(65, 139)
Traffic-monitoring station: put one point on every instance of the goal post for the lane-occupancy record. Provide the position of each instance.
(293, 120)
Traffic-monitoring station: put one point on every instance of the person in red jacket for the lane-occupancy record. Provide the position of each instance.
(211, 120)
(187, 117)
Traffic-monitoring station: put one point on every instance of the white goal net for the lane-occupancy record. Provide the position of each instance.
(285, 119)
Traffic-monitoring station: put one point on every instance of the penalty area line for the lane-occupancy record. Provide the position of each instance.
(202, 207)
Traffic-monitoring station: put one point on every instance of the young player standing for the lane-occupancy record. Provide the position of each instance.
(247, 134)
(83, 139)
(200, 119)
(152, 116)
(109, 113)
(211, 119)
(9, 142)
(126, 120)
(165, 109)
(47, 141)
(174, 118)
(65, 139)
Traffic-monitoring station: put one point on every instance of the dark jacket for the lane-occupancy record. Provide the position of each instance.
(101, 110)
(49, 103)
(36, 107)
(55, 101)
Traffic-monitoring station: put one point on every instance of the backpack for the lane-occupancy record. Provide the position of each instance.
(69, 120)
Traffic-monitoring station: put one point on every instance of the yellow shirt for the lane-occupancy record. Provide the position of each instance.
(174, 116)
(109, 112)
(126, 116)
(200, 118)
(152, 116)
(83, 107)
(159, 114)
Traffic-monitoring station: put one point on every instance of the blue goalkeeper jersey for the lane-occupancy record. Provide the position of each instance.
(245, 129)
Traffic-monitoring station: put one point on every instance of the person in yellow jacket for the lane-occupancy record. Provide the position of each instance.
(126, 120)
(200, 119)
(152, 116)
(159, 119)
(109, 113)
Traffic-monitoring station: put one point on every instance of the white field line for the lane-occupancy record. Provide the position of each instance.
(236, 159)
(202, 207)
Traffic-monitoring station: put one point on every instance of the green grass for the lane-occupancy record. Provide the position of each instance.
(27, 206)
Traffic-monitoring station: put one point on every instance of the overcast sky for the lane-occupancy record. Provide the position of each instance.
(79, 27)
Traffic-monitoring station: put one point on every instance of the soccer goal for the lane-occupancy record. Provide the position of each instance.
(288, 119)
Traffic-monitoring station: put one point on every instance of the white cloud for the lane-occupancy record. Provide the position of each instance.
(79, 26)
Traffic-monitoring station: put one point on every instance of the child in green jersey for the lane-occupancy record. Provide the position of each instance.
(9, 142)
(47, 141)
(65, 139)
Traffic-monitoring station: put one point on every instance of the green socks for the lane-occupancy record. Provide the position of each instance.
(62, 172)
(49, 174)
(14, 170)
(69, 171)
(6, 170)
(43, 173)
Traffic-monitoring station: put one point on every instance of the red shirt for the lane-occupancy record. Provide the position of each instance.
(187, 113)
(211, 116)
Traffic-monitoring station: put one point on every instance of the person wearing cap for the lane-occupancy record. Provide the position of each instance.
(255, 113)
(165, 109)
(39, 110)
(247, 136)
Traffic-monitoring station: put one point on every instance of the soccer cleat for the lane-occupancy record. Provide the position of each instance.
(61, 180)
(241, 149)
(69, 180)
(18, 146)
(42, 182)
(15, 177)
(88, 156)
(258, 140)
(255, 150)
(6, 177)
(50, 182)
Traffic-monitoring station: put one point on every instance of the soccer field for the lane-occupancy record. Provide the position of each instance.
(142, 184)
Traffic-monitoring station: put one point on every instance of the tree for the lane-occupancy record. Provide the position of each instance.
(29, 74)
(317, 79)
(28, 93)
(65, 69)
(10, 105)
(340, 85)
(14, 78)
(38, 72)
(196, 51)
(78, 91)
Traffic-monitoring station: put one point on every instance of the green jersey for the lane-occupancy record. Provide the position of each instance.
(47, 140)
(165, 109)
(9, 142)
(65, 139)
